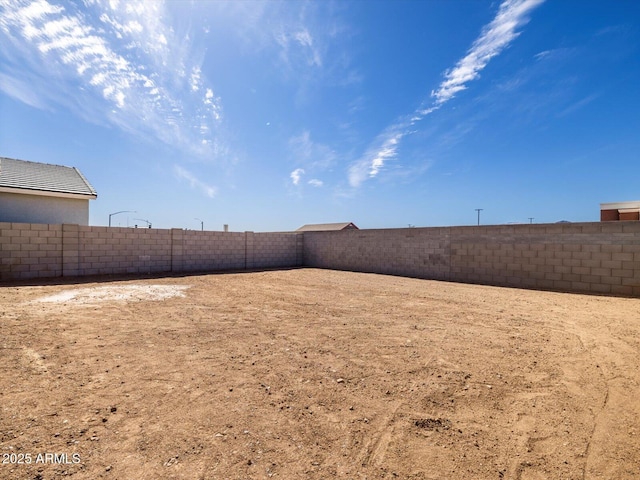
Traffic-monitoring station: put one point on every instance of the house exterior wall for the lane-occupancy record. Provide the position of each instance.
(626, 216)
(609, 215)
(23, 208)
(619, 214)
(623, 211)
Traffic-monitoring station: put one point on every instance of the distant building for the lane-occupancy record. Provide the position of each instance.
(619, 211)
(32, 192)
(321, 227)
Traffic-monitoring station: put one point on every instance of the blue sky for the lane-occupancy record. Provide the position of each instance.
(269, 115)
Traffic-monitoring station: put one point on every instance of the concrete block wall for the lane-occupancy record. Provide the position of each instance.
(577, 257)
(272, 250)
(39, 250)
(408, 252)
(235, 250)
(213, 251)
(30, 250)
(115, 250)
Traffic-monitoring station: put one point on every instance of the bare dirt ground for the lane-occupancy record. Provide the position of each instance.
(314, 374)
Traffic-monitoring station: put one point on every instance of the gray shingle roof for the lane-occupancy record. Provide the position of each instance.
(43, 177)
(319, 227)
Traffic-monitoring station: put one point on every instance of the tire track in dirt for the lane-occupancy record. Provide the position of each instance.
(619, 410)
(377, 447)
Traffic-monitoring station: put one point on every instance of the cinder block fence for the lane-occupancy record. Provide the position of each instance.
(601, 257)
(37, 250)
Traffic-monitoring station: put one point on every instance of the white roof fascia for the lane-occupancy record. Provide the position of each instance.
(45, 193)
(619, 205)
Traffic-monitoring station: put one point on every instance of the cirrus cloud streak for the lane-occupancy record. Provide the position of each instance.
(119, 62)
(494, 38)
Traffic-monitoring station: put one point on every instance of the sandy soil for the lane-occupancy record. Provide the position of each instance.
(312, 374)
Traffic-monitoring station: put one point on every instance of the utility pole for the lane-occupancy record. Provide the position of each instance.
(479, 210)
(531, 219)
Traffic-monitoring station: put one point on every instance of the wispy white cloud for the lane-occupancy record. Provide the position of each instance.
(194, 182)
(313, 155)
(16, 89)
(543, 54)
(298, 45)
(578, 105)
(305, 41)
(113, 62)
(309, 41)
(296, 176)
(494, 38)
(373, 161)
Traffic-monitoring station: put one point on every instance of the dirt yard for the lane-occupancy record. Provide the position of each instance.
(315, 374)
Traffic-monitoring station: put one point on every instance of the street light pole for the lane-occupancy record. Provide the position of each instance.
(201, 224)
(122, 211)
(479, 210)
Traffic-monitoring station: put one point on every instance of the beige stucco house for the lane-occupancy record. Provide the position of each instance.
(32, 192)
